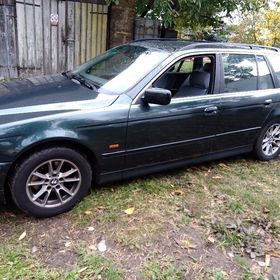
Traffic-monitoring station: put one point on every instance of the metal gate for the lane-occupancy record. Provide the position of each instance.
(56, 35)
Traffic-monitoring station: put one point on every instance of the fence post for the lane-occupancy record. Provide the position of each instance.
(8, 46)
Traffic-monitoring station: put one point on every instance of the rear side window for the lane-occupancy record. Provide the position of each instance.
(240, 72)
(265, 78)
(275, 62)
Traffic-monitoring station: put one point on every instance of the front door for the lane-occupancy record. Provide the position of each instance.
(182, 130)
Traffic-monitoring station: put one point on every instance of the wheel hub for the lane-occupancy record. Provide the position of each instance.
(53, 183)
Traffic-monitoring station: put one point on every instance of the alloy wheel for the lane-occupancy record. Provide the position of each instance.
(53, 183)
(271, 140)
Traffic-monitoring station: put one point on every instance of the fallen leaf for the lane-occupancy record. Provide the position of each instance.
(82, 269)
(253, 255)
(101, 246)
(262, 264)
(211, 239)
(129, 211)
(92, 247)
(217, 177)
(231, 255)
(179, 192)
(67, 244)
(88, 212)
(188, 244)
(267, 260)
(34, 250)
(22, 236)
(90, 228)
(274, 254)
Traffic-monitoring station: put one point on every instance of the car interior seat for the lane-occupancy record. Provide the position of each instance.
(197, 84)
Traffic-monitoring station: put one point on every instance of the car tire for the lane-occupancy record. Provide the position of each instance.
(268, 143)
(51, 181)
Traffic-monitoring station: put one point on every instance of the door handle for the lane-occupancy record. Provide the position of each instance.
(211, 110)
(267, 102)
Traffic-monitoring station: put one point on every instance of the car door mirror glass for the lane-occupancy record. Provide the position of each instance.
(158, 96)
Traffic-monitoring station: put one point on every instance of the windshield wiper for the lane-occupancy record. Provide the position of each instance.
(80, 79)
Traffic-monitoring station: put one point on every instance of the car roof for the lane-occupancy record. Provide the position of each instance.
(173, 45)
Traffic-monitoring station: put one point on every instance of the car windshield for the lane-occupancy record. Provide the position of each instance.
(119, 69)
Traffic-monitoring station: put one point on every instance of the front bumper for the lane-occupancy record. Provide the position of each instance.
(4, 167)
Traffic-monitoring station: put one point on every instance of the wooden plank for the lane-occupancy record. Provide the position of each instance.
(94, 32)
(46, 36)
(8, 51)
(38, 38)
(70, 32)
(54, 39)
(61, 66)
(100, 33)
(77, 34)
(30, 42)
(21, 34)
(88, 37)
(83, 31)
(104, 28)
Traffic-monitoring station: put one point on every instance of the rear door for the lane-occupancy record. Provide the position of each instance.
(247, 96)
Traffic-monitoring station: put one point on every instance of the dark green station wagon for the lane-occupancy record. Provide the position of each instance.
(143, 107)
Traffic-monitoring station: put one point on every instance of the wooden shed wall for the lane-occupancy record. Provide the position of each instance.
(41, 47)
(8, 53)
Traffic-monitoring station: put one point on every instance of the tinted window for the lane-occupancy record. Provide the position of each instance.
(265, 79)
(275, 62)
(240, 72)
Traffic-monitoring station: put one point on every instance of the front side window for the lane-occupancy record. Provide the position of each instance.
(240, 72)
(191, 76)
(121, 68)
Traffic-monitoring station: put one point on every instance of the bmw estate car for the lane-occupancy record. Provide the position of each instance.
(139, 108)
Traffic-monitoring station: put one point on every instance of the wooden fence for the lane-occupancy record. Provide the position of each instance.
(49, 36)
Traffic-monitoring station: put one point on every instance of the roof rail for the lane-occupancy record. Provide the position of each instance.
(230, 45)
(173, 39)
(212, 44)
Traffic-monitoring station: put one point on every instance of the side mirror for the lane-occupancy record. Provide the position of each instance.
(158, 96)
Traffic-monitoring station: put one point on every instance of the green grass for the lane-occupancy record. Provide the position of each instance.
(206, 198)
(14, 264)
(17, 263)
(164, 269)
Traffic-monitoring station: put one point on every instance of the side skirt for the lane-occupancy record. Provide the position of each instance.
(150, 169)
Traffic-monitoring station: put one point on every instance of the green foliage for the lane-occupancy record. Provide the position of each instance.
(193, 13)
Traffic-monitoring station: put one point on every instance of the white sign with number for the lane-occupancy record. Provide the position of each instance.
(54, 19)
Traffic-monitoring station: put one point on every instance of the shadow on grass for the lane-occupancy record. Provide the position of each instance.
(9, 212)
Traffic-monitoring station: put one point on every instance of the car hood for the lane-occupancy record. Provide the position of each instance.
(51, 90)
